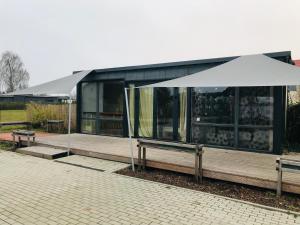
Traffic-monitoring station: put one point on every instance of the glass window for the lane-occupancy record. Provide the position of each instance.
(256, 118)
(111, 108)
(255, 138)
(88, 100)
(213, 116)
(88, 126)
(213, 135)
(165, 100)
(146, 112)
(213, 105)
(256, 106)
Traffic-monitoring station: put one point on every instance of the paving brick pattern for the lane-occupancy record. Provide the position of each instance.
(40, 191)
(93, 163)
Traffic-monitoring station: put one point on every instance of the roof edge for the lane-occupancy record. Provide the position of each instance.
(187, 62)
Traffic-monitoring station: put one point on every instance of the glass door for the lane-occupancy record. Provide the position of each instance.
(88, 107)
(110, 117)
(165, 101)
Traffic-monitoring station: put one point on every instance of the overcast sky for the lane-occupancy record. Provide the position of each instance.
(57, 37)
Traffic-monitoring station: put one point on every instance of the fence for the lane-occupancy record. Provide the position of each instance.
(38, 114)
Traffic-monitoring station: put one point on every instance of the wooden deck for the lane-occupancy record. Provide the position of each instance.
(236, 166)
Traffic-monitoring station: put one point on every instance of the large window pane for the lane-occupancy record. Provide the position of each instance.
(165, 102)
(88, 101)
(256, 106)
(213, 116)
(256, 118)
(146, 112)
(213, 135)
(213, 105)
(88, 126)
(254, 138)
(111, 108)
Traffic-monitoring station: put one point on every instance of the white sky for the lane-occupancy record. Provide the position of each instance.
(57, 37)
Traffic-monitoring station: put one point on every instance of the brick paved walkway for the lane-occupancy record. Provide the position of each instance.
(39, 191)
(93, 163)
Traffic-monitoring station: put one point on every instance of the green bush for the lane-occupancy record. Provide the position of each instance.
(38, 114)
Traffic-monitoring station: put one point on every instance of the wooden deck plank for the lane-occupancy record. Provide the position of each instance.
(255, 169)
(43, 152)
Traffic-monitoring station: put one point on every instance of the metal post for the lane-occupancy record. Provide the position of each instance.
(279, 177)
(69, 124)
(129, 129)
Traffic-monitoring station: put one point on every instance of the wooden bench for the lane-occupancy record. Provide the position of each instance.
(143, 144)
(16, 123)
(285, 165)
(23, 133)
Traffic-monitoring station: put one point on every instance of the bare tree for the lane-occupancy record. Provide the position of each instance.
(13, 75)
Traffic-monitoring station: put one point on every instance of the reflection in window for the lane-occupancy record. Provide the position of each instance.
(256, 106)
(88, 101)
(146, 112)
(212, 135)
(213, 105)
(256, 109)
(88, 126)
(254, 138)
(213, 116)
(165, 113)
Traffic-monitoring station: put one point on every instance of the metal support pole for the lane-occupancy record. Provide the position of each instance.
(279, 178)
(129, 129)
(69, 124)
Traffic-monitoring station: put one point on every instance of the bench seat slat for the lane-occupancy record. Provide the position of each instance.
(290, 163)
(165, 144)
(290, 170)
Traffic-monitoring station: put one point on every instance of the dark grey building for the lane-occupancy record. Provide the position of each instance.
(244, 118)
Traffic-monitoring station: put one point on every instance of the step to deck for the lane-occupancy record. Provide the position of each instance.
(43, 152)
(93, 163)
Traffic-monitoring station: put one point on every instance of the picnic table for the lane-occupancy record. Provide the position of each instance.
(58, 123)
(18, 134)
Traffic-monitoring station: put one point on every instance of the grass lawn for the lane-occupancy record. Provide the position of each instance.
(12, 115)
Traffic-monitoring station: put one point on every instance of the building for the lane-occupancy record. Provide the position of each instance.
(31, 98)
(244, 118)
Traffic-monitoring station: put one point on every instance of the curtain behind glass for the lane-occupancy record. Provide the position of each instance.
(131, 106)
(146, 112)
(182, 114)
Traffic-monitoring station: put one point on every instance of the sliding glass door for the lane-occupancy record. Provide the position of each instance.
(88, 107)
(102, 108)
(110, 117)
(256, 113)
(165, 106)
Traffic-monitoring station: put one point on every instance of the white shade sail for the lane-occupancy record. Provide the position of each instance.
(244, 71)
(59, 87)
